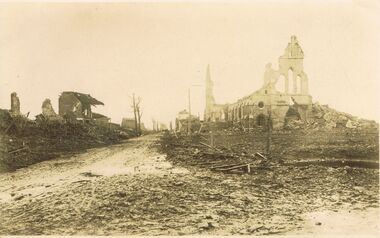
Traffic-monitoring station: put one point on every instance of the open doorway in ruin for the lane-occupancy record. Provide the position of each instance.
(290, 81)
(261, 120)
(292, 113)
(281, 84)
(299, 84)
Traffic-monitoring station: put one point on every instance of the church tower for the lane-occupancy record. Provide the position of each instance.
(292, 60)
(210, 100)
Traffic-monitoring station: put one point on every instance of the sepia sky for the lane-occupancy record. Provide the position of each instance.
(159, 50)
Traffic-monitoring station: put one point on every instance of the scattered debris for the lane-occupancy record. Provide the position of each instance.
(261, 156)
(202, 202)
(90, 174)
(323, 117)
(24, 141)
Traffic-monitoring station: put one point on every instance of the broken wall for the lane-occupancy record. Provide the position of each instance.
(15, 105)
(69, 104)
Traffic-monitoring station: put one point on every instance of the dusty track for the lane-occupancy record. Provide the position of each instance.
(132, 157)
(131, 189)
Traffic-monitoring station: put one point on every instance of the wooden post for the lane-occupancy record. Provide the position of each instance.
(135, 114)
(249, 123)
(212, 134)
(212, 139)
(189, 117)
(269, 130)
(139, 114)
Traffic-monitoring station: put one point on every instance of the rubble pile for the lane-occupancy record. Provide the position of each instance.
(324, 117)
(25, 142)
(195, 152)
(198, 201)
(235, 147)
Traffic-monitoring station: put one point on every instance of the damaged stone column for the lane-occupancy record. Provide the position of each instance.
(15, 105)
(47, 108)
(286, 84)
(48, 111)
(304, 84)
(295, 89)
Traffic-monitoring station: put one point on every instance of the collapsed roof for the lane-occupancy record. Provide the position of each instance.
(85, 99)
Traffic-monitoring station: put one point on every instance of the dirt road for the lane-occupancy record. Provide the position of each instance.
(136, 156)
(131, 189)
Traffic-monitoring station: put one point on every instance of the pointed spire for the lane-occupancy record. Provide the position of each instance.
(209, 89)
(208, 74)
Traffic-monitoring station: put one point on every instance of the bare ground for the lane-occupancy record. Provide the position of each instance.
(132, 189)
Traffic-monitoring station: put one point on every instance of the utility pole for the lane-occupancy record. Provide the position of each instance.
(139, 115)
(269, 130)
(212, 139)
(189, 117)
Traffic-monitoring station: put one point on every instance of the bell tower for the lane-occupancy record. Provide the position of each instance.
(210, 100)
(292, 60)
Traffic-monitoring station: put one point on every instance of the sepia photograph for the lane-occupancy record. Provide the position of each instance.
(190, 118)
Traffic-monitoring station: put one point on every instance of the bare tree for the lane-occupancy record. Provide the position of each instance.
(139, 115)
(135, 113)
(153, 124)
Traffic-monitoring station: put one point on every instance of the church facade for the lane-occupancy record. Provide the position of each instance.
(255, 108)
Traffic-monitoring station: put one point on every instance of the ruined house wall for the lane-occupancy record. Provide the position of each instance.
(217, 113)
(47, 109)
(128, 123)
(102, 121)
(15, 105)
(68, 104)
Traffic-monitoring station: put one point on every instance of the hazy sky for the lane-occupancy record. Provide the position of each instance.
(158, 50)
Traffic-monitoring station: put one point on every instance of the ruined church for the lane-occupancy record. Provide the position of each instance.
(254, 109)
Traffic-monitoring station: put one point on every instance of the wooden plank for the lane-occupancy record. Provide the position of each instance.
(209, 146)
(10, 125)
(262, 156)
(234, 167)
(207, 163)
(200, 129)
(226, 166)
(17, 150)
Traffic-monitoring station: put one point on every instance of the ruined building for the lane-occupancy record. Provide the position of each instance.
(213, 112)
(48, 112)
(182, 120)
(15, 105)
(79, 105)
(254, 109)
(129, 124)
